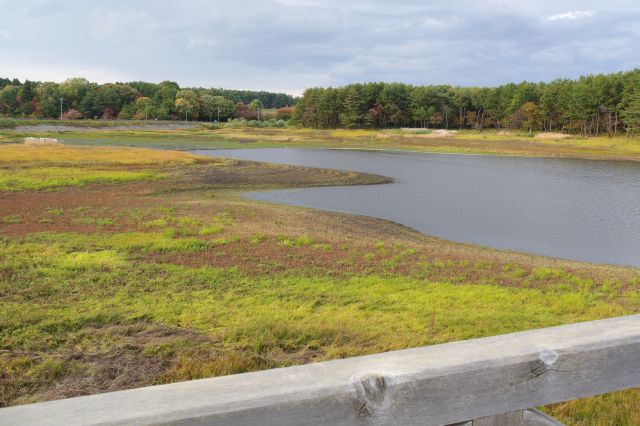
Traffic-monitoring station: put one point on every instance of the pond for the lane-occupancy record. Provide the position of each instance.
(574, 209)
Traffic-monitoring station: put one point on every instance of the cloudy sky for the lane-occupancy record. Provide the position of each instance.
(288, 45)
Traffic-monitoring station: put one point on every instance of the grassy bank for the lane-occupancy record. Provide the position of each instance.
(168, 275)
(467, 142)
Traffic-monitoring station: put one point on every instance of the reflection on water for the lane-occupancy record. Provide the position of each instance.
(575, 209)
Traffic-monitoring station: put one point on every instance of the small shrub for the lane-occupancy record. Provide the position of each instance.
(100, 221)
(72, 114)
(226, 240)
(155, 223)
(409, 252)
(243, 122)
(211, 126)
(49, 369)
(170, 232)
(379, 245)
(323, 246)
(179, 232)
(213, 229)
(8, 123)
(99, 259)
(224, 218)
(257, 238)
(303, 240)
(544, 273)
(11, 219)
(189, 221)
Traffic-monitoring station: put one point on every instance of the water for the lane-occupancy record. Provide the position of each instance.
(574, 209)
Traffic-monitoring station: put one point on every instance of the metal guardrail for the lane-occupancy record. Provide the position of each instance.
(493, 380)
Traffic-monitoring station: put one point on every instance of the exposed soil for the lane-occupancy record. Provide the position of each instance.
(32, 210)
(123, 365)
(241, 174)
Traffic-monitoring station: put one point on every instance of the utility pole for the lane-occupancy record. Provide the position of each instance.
(218, 115)
(146, 112)
(186, 119)
(60, 108)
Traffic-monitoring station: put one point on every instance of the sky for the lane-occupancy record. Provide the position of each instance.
(289, 45)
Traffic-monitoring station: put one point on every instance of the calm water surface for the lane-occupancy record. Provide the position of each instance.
(574, 209)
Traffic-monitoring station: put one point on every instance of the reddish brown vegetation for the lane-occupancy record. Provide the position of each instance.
(72, 114)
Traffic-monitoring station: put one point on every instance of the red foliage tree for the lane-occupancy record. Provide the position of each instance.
(376, 113)
(243, 111)
(284, 113)
(108, 114)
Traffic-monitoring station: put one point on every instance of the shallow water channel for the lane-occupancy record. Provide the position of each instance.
(574, 209)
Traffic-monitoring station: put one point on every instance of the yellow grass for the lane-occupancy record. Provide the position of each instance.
(20, 153)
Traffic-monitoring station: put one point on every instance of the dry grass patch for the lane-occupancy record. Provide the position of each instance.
(53, 153)
(550, 135)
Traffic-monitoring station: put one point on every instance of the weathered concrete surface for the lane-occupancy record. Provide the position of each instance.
(530, 417)
(535, 417)
(434, 385)
(507, 419)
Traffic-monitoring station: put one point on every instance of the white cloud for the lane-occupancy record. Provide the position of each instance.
(36, 70)
(120, 22)
(571, 16)
(198, 41)
(433, 23)
(293, 44)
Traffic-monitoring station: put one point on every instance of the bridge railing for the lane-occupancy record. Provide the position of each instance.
(487, 381)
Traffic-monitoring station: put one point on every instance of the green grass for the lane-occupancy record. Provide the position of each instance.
(155, 223)
(63, 291)
(209, 230)
(37, 178)
(8, 123)
(95, 259)
(302, 240)
(94, 279)
(68, 294)
(100, 221)
(10, 219)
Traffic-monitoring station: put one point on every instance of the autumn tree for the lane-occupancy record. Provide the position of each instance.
(188, 103)
(217, 106)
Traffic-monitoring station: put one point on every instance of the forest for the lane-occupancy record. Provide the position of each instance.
(78, 98)
(592, 105)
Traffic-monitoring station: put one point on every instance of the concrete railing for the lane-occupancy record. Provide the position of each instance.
(491, 380)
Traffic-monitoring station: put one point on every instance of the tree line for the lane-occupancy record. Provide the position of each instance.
(591, 105)
(79, 98)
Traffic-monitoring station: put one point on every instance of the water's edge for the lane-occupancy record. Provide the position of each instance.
(574, 209)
